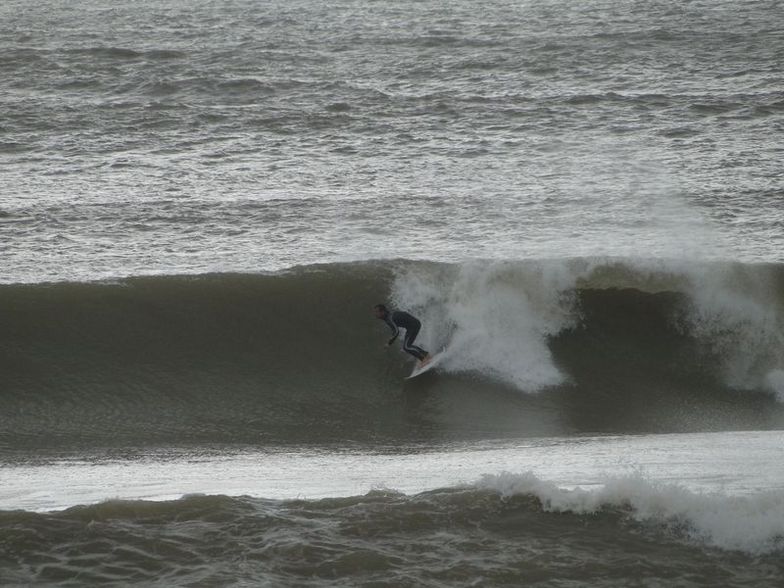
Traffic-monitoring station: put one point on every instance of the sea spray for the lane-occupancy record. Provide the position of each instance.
(494, 318)
(736, 311)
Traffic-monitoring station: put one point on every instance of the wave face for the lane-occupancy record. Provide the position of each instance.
(531, 348)
(509, 529)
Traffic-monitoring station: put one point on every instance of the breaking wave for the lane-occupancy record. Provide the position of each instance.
(751, 524)
(531, 348)
(506, 529)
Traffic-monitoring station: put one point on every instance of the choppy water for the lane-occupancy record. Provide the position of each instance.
(200, 201)
(168, 136)
(599, 517)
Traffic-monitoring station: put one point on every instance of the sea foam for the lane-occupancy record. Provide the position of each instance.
(495, 318)
(749, 523)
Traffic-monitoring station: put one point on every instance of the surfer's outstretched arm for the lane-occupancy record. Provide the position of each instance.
(395, 330)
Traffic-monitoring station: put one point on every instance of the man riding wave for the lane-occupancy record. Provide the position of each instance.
(398, 319)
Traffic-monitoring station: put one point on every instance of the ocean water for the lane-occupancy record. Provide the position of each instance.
(201, 201)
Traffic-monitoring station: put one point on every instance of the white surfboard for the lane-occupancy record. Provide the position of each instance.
(419, 370)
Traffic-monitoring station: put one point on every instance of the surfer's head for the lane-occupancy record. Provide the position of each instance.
(380, 310)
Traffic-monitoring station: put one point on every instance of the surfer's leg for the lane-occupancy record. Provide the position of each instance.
(417, 352)
(409, 347)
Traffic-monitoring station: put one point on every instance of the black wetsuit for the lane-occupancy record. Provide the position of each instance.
(402, 320)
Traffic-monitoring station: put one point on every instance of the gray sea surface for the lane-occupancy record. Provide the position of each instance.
(164, 136)
(582, 201)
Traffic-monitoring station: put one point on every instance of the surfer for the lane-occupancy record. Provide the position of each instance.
(398, 319)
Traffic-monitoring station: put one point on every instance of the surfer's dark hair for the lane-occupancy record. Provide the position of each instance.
(381, 307)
